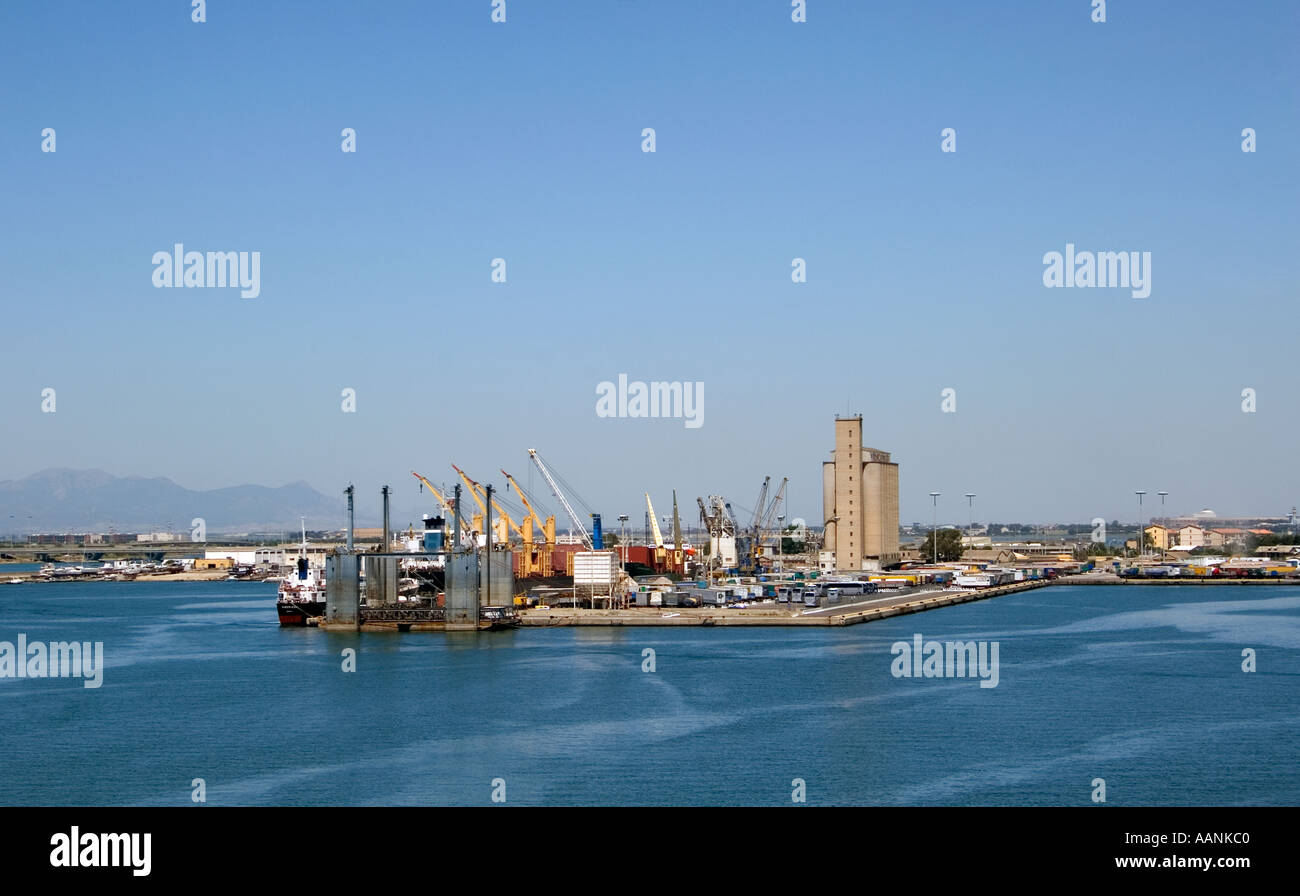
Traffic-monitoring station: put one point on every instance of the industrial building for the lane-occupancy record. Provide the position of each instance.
(859, 501)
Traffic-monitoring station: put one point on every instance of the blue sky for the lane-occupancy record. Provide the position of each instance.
(774, 141)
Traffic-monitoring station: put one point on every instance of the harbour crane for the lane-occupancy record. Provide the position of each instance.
(548, 527)
(539, 559)
(768, 515)
(533, 561)
(564, 502)
(448, 507)
(661, 550)
(679, 552)
(720, 524)
(503, 521)
(654, 524)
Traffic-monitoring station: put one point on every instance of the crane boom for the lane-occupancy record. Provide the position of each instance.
(548, 527)
(564, 502)
(524, 500)
(677, 525)
(539, 560)
(446, 505)
(654, 522)
(474, 489)
(769, 514)
(762, 500)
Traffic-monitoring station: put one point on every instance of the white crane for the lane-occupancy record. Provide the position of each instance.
(564, 502)
(654, 522)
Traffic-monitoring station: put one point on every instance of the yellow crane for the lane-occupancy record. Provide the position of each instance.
(533, 561)
(449, 508)
(540, 560)
(503, 521)
(548, 527)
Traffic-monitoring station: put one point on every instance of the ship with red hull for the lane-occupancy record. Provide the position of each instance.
(302, 595)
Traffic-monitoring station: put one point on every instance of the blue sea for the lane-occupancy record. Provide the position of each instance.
(1141, 686)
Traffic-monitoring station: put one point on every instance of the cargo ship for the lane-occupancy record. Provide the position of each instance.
(302, 595)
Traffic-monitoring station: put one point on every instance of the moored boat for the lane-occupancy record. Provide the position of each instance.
(301, 596)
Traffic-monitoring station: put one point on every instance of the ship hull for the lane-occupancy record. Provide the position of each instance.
(296, 613)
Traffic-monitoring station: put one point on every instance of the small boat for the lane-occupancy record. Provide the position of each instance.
(495, 618)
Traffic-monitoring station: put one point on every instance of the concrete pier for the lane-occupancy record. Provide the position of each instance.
(868, 610)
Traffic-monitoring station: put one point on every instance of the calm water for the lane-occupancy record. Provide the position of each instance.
(1141, 686)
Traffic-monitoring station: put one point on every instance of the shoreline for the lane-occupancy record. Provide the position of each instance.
(207, 575)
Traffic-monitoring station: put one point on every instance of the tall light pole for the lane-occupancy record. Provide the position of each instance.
(622, 518)
(970, 516)
(1163, 518)
(934, 528)
(780, 539)
(1142, 532)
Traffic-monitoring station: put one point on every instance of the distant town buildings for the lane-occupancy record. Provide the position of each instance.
(1190, 536)
(83, 538)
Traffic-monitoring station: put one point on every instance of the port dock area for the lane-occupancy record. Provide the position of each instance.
(882, 607)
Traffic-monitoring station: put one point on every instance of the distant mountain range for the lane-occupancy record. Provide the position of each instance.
(62, 500)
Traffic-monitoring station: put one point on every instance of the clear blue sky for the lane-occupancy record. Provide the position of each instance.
(775, 140)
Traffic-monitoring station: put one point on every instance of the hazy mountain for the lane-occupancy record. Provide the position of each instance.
(61, 500)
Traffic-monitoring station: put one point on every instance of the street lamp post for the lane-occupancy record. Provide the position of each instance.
(1141, 534)
(1163, 518)
(780, 540)
(970, 516)
(934, 528)
(622, 518)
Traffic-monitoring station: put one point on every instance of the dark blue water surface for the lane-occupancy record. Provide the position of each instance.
(1139, 685)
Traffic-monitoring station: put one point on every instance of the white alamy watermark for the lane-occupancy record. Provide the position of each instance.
(946, 659)
(1105, 270)
(57, 659)
(77, 850)
(948, 400)
(203, 269)
(654, 399)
